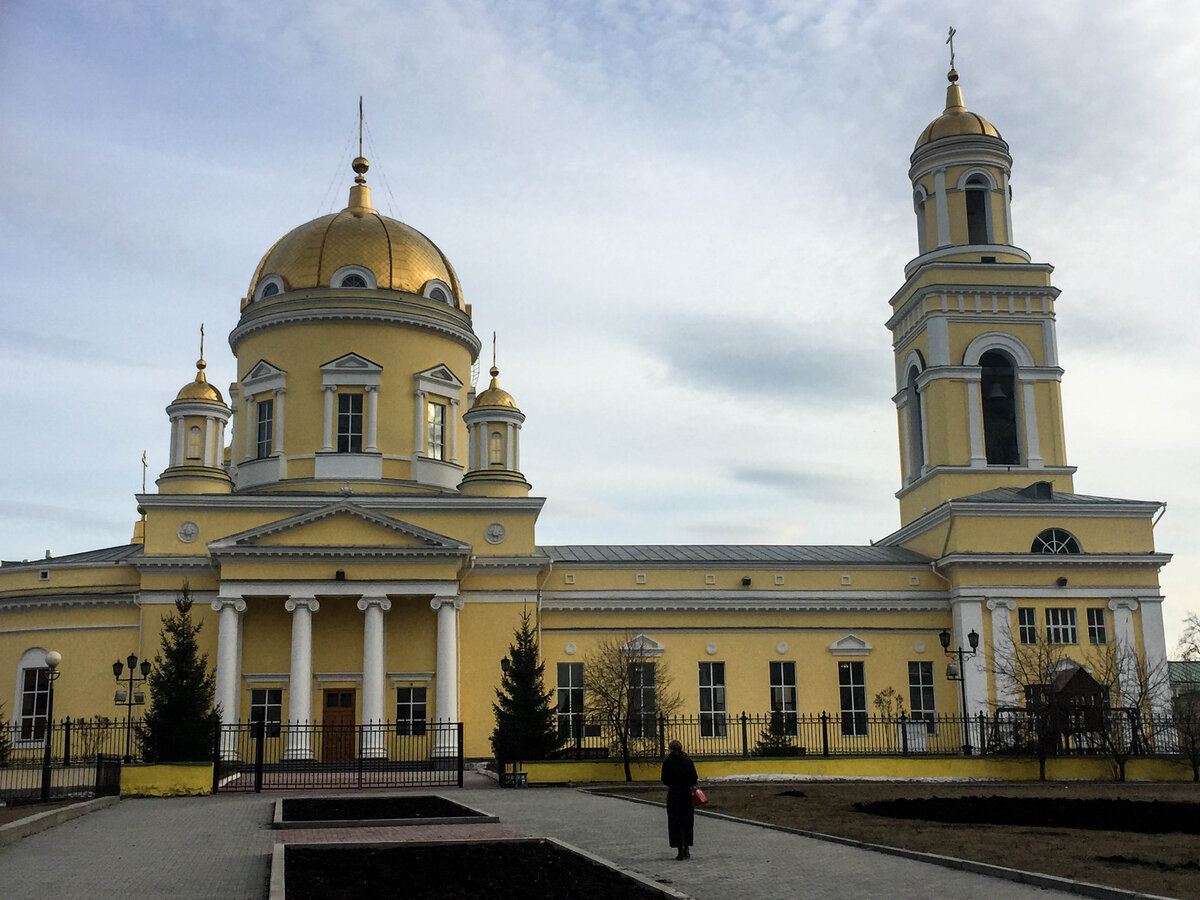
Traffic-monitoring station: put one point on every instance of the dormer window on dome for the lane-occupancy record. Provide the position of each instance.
(359, 277)
(269, 286)
(436, 289)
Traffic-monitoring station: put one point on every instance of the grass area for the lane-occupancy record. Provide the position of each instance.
(1162, 864)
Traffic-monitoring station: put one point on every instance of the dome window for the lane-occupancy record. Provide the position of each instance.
(1055, 540)
(353, 281)
(270, 290)
(436, 289)
(269, 286)
(355, 277)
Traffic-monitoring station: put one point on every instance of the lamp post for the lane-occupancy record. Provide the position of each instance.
(958, 673)
(53, 660)
(129, 697)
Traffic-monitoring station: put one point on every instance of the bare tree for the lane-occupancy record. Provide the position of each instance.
(1133, 684)
(626, 687)
(1186, 708)
(1188, 647)
(1038, 726)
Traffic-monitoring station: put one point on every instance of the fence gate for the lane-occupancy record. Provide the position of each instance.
(251, 756)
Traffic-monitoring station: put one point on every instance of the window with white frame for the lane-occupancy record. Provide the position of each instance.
(783, 698)
(1027, 624)
(713, 722)
(266, 706)
(410, 710)
(1060, 626)
(920, 693)
(195, 444)
(1055, 540)
(350, 423)
(853, 690)
(643, 705)
(978, 219)
(435, 430)
(33, 704)
(264, 436)
(570, 700)
(1097, 628)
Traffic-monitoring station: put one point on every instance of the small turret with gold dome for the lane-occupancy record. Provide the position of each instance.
(494, 429)
(199, 416)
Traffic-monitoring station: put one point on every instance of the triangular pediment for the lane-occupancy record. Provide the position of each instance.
(263, 369)
(850, 645)
(642, 646)
(342, 528)
(351, 362)
(441, 373)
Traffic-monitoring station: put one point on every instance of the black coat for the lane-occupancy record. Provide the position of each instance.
(679, 775)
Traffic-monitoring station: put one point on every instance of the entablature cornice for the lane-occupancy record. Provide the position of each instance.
(977, 594)
(979, 293)
(953, 561)
(736, 601)
(170, 565)
(60, 600)
(293, 502)
(423, 589)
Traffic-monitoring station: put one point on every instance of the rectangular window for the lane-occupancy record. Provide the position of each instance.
(712, 699)
(642, 701)
(783, 698)
(266, 705)
(35, 696)
(435, 431)
(1097, 630)
(350, 423)
(410, 710)
(264, 438)
(920, 694)
(570, 701)
(1027, 621)
(1060, 626)
(853, 690)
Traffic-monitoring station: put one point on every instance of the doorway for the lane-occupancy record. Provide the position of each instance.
(338, 726)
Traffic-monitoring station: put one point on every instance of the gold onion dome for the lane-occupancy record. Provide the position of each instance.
(401, 258)
(199, 389)
(495, 396)
(956, 119)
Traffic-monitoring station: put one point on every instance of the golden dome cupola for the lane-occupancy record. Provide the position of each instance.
(494, 426)
(960, 172)
(198, 418)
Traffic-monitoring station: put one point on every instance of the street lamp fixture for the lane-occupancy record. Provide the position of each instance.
(53, 661)
(957, 672)
(129, 697)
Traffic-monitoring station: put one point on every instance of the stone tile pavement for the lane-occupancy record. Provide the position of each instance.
(219, 847)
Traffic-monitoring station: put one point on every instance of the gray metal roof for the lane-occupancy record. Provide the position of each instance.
(98, 557)
(694, 554)
(1023, 495)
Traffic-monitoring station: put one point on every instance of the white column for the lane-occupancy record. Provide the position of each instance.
(1124, 645)
(372, 391)
(509, 463)
(968, 617)
(210, 441)
(1154, 644)
(178, 442)
(453, 426)
(237, 420)
(1003, 651)
(975, 423)
(374, 673)
(277, 436)
(249, 425)
(1008, 232)
(516, 448)
(1033, 453)
(419, 424)
(299, 740)
(327, 432)
(446, 696)
(943, 211)
(227, 692)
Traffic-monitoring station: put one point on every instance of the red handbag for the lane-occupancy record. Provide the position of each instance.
(698, 798)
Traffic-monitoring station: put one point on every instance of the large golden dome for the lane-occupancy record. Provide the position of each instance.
(400, 257)
(199, 389)
(956, 119)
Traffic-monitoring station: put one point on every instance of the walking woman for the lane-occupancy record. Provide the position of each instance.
(679, 775)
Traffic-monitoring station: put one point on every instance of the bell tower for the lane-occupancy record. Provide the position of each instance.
(977, 375)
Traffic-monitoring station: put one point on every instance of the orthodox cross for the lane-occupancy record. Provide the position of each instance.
(360, 124)
(144, 471)
(950, 41)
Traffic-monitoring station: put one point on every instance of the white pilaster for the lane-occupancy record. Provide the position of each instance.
(1154, 644)
(446, 695)
(419, 424)
(975, 423)
(1033, 454)
(299, 740)
(372, 392)
(968, 617)
(327, 428)
(453, 426)
(1124, 646)
(250, 425)
(277, 434)
(1008, 231)
(374, 676)
(943, 211)
(1003, 651)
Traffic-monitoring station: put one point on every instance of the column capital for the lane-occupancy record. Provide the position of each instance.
(1001, 603)
(238, 604)
(1128, 603)
(370, 388)
(329, 387)
(309, 603)
(439, 602)
(280, 391)
(364, 603)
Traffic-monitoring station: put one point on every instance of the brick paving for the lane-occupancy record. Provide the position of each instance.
(220, 846)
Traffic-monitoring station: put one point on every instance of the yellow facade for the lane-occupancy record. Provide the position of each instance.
(352, 517)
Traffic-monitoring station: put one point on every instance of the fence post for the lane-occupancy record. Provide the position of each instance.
(46, 759)
(982, 742)
(745, 741)
(361, 735)
(216, 755)
(259, 741)
(824, 733)
(903, 735)
(459, 727)
(67, 742)
(662, 735)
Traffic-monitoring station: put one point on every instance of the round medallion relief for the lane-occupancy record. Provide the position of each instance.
(570, 648)
(710, 649)
(781, 647)
(494, 533)
(188, 532)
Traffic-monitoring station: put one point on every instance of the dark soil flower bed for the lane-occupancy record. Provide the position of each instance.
(497, 870)
(326, 809)
(1145, 817)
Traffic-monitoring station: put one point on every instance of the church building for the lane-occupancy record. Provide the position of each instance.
(353, 520)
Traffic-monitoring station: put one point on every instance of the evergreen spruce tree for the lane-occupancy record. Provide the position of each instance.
(179, 724)
(525, 716)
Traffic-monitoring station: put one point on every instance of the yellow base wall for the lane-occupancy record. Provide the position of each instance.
(897, 768)
(176, 780)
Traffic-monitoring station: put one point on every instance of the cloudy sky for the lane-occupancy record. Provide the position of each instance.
(684, 219)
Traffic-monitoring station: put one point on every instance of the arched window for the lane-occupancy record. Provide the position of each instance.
(998, 389)
(193, 442)
(978, 230)
(353, 280)
(916, 439)
(496, 449)
(270, 289)
(1055, 540)
(33, 696)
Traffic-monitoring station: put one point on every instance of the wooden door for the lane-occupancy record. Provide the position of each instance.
(338, 726)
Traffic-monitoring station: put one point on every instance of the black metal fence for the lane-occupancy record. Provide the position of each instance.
(76, 758)
(252, 756)
(1006, 732)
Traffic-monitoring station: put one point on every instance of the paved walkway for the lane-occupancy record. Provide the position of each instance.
(219, 847)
